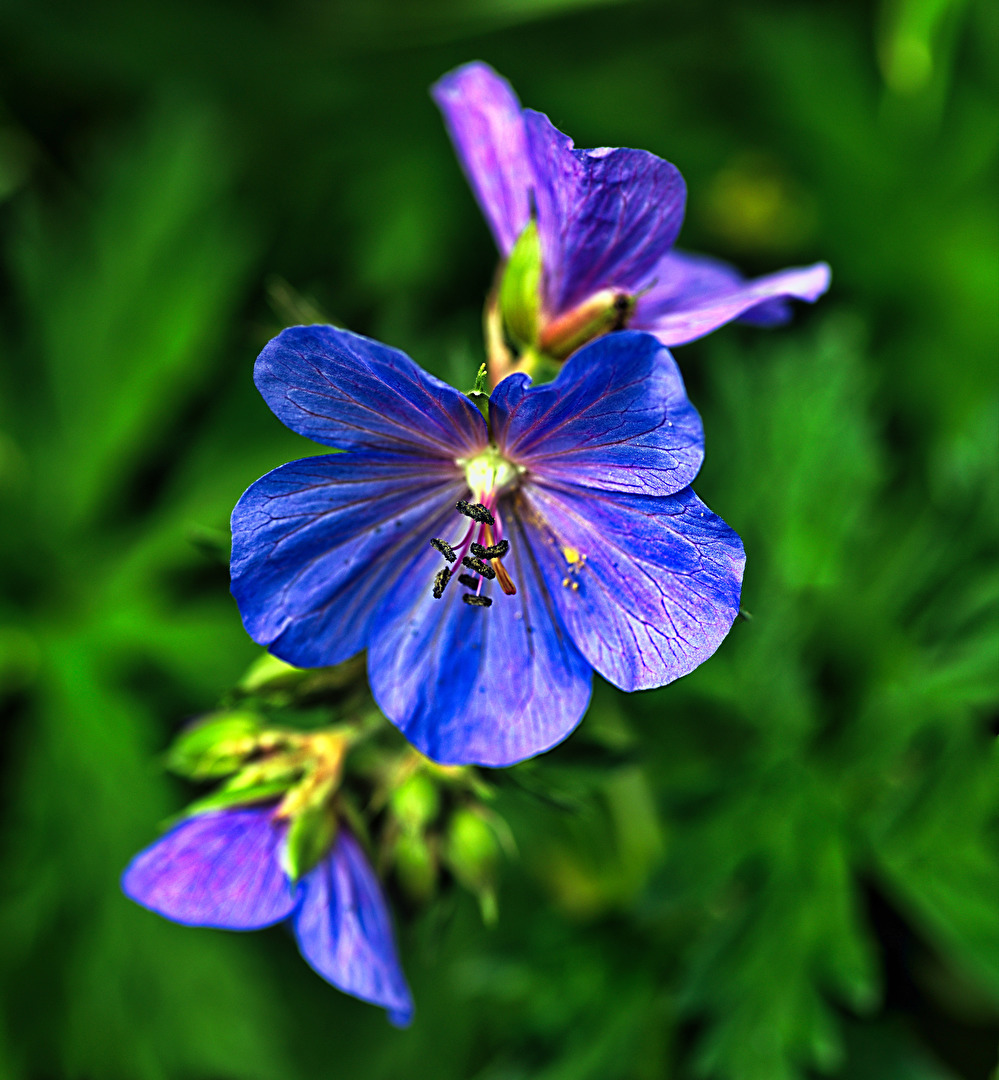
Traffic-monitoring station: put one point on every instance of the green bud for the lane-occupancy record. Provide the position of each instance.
(472, 853)
(269, 673)
(415, 866)
(310, 836)
(416, 802)
(214, 746)
(242, 795)
(520, 288)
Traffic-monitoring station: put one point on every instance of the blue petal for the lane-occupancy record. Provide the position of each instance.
(486, 126)
(219, 869)
(479, 686)
(348, 391)
(693, 295)
(617, 417)
(344, 930)
(605, 217)
(317, 543)
(647, 587)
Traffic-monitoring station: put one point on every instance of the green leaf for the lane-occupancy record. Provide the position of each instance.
(310, 836)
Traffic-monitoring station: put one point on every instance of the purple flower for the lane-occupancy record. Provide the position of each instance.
(224, 870)
(567, 520)
(607, 220)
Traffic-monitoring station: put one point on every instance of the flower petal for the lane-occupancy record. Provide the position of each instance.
(617, 417)
(317, 543)
(478, 686)
(219, 869)
(647, 587)
(694, 294)
(605, 216)
(344, 930)
(345, 390)
(484, 120)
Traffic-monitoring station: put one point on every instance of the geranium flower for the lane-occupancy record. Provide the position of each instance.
(606, 219)
(225, 870)
(487, 567)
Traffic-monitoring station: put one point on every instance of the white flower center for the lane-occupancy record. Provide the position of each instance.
(489, 471)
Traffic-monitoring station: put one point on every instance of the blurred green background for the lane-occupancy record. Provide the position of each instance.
(784, 866)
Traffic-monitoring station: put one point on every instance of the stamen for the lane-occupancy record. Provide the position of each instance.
(479, 567)
(476, 511)
(468, 581)
(476, 601)
(444, 548)
(494, 551)
(440, 582)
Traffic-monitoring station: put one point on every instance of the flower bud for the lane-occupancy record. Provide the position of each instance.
(215, 745)
(472, 853)
(606, 310)
(415, 865)
(416, 802)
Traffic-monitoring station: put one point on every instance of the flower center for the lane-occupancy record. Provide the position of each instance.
(482, 547)
(489, 473)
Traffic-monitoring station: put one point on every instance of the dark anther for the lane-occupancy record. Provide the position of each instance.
(444, 548)
(476, 511)
(479, 567)
(468, 581)
(497, 551)
(440, 582)
(476, 601)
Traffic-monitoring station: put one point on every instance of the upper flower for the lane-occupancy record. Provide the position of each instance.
(606, 221)
(227, 870)
(567, 519)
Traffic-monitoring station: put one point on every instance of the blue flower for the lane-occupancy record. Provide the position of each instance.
(567, 520)
(607, 220)
(224, 870)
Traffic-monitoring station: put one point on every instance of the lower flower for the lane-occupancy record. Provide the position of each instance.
(227, 870)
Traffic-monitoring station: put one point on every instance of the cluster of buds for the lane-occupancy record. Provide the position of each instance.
(428, 825)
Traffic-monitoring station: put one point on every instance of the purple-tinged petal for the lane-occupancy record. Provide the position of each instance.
(484, 120)
(648, 587)
(344, 930)
(605, 216)
(617, 417)
(693, 295)
(345, 390)
(317, 543)
(484, 686)
(220, 869)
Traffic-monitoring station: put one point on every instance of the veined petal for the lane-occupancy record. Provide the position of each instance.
(344, 930)
(648, 587)
(605, 216)
(219, 869)
(317, 543)
(478, 686)
(617, 417)
(345, 390)
(484, 120)
(693, 295)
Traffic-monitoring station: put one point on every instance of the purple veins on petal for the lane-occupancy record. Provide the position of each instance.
(617, 417)
(607, 221)
(344, 930)
(218, 869)
(484, 120)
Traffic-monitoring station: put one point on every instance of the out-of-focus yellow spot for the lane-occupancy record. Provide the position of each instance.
(571, 555)
(753, 205)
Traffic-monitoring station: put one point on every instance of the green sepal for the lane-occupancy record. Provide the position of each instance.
(214, 746)
(520, 288)
(227, 797)
(310, 836)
